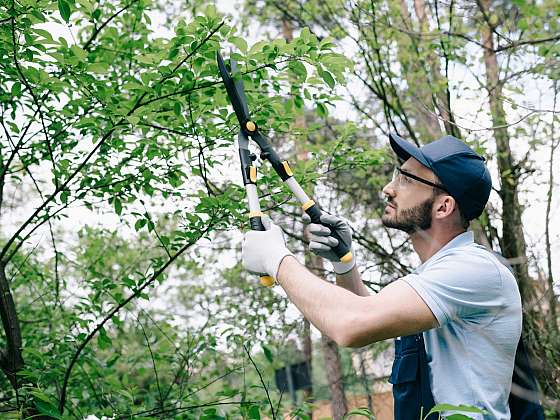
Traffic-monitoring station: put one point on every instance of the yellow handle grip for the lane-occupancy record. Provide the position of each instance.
(267, 281)
(346, 257)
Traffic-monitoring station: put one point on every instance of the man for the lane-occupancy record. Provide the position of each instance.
(461, 297)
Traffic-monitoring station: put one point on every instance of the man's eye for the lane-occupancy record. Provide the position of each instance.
(406, 180)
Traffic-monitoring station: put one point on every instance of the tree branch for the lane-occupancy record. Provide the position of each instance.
(118, 307)
(98, 30)
(35, 99)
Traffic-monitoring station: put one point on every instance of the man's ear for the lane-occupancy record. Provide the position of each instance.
(444, 206)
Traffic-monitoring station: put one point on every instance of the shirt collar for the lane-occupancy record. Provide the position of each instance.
(463, 239)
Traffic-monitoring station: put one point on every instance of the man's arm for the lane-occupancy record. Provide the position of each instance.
(349, 319)
(352, 281)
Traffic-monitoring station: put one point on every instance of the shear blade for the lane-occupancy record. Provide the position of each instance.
(235, 90)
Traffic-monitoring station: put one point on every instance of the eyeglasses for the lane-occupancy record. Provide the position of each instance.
(400, 178)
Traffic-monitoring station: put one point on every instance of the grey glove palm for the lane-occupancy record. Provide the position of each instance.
(321, 243)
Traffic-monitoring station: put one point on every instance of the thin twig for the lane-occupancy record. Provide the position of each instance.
(262, 382)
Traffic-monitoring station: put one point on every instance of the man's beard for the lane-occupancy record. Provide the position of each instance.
(413, 219)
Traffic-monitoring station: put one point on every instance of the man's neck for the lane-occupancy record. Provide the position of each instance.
(427, 242)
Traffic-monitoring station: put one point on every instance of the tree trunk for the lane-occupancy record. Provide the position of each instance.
(308, 357)
(513, 240)
(333, 366)
(335, 376)
(417, 79)
(11, 359)
(438, 83)
(364, 378)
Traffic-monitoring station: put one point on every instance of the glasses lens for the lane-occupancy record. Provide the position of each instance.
(396, 178)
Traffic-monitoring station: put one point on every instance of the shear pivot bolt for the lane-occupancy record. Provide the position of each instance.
(250, 126)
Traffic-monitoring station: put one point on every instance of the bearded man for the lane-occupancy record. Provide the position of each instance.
(456, 318)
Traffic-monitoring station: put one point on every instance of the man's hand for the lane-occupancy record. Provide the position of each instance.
(263, 251)
(321, 243)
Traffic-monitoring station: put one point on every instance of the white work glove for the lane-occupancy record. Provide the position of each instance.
(321, 243)
(263, 251)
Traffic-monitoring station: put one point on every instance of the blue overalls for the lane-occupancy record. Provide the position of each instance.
(412, 393)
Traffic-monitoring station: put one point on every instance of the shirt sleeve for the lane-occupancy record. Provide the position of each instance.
(460, 286)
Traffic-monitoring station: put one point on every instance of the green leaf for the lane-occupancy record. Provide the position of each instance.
(140, 223)
(133, 119)
(177, 109)
(267, 353)
(103, 340)
(328, 78)
(118, 206)
(438, 408)
(64, 9)
(362, 411)
(299, 69)
(79, 52)
(98, 68)
(37, 393)
(253, 413)
(239, 43)
(16, 89)
(322, 110)
(47, 408)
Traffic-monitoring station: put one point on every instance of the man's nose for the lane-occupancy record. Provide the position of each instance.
(389, 190)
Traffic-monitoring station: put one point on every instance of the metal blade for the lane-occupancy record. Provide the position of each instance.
(243, 140)
(239, 86)
(235, 92)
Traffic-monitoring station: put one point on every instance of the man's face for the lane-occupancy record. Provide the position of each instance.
(410, 202)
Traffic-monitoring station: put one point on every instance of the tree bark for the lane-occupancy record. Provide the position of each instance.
(419, 87)
(513, 239)
(11, 359)
(437, 82)
(308, 357)
(554, 143)
(333, 366)
(335, 376)
(364, 378)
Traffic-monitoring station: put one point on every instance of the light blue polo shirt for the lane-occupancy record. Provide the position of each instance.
(476, 302)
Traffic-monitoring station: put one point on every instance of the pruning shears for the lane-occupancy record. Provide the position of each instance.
(249, 129)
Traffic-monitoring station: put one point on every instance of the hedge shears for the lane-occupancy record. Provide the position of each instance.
(249, 129)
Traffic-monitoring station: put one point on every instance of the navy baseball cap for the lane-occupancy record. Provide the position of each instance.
(460, 169)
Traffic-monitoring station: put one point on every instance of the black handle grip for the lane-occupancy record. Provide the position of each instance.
(342, 250)
(256, 223)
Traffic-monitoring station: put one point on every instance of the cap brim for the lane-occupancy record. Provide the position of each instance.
(405, 150)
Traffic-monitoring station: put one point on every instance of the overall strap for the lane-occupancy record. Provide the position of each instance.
(412, 393)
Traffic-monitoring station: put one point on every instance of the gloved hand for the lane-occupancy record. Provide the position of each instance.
(321, 243)
(263, 251)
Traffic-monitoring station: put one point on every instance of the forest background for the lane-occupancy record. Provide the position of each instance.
(121, 292)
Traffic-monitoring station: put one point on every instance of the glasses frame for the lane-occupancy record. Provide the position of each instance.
(417, 178)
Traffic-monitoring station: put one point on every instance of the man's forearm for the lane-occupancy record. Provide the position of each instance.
(328, 307)
(353, 282)
(349, 319)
